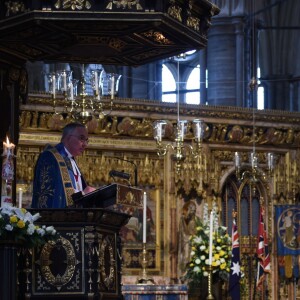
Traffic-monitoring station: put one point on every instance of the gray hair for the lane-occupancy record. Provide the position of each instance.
(69, 128)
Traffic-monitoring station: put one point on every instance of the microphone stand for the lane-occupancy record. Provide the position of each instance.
(135, 169)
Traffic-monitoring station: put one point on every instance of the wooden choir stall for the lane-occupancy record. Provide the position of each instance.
(85, 262)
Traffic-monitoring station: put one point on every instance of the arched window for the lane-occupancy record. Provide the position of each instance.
(168, 85)
(193, 87)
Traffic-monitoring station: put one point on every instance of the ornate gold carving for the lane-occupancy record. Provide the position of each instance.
(73, 4)
(175, 11)
(124, 4)
(129, 196)
(193, 177)
(14, 7)
(107, 262)
(58, 280)
(193, 23)
(157, 37)
(112, 42)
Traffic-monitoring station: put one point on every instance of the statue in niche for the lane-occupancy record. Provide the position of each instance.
(22, 118)
(187, 227)
(43, 121)
(114, 125)
(34, 123)
(144, 128)
(27, 120)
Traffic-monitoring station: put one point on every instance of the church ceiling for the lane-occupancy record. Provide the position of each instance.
(113, 32)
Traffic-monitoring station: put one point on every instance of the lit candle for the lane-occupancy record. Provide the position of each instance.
(96, 83)
(71, 91)
(270, 161)
(53, 85)
(64, 81)
(145, 218)
(211, 220)
(7, 173)
(237, 159)
(198, 130)
(112, 87)
(8, 148)
(159, 131)
(20, 197)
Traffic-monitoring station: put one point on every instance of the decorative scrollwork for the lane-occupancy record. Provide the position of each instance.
(107, 263)
(124, 4)
(157, 37)
(73, 4)
(58, 280)
(175, 11)
(193, 22)
(14, 8)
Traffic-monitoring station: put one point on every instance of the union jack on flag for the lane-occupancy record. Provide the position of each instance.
(264, 265)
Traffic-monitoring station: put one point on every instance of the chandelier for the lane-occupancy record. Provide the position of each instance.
(254, 171)
(178, 147)
(260, 165)
(83, 105)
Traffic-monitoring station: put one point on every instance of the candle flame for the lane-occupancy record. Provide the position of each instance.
(7, 140)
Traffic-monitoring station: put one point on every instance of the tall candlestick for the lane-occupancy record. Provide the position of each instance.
(71, 91)
(96, 83)
(237, 160)
(159, 132)
(8, 148)
(53, 85)
(7, 173)
(211, 225)
(20, 197)
(64, 81)
(145, 219)
(112, 87)
(182, 127)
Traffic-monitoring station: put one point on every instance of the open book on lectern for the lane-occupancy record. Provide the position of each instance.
(110, 196)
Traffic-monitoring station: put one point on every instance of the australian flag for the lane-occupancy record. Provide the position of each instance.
(235, 270)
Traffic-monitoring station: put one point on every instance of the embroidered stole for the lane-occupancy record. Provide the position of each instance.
(65, 176)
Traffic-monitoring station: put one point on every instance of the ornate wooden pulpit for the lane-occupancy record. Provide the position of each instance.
(85, 262)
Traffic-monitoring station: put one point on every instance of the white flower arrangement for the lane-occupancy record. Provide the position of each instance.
(17, 225)
(199, 258)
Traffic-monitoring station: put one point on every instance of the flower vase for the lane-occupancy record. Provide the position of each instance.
(8, 270)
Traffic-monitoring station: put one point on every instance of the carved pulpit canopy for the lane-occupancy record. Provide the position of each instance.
(112, 32)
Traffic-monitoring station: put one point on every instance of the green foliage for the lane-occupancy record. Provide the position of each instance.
(197, 268)
(17, 225)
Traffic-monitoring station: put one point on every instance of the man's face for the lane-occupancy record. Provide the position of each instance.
(77, 141)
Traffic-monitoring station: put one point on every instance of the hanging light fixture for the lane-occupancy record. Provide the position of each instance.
(253, 171)
(83, 106)
(178, 147)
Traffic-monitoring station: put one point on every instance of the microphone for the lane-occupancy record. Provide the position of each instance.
(135, 169)
(120, 174)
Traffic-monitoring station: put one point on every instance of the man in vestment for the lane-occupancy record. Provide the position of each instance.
(57, 175)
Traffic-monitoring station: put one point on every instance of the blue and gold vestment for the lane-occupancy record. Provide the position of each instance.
(54, 179)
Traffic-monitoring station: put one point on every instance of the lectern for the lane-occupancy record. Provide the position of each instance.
(85, 262)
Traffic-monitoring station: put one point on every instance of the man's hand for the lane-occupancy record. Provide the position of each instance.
(89, 189)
